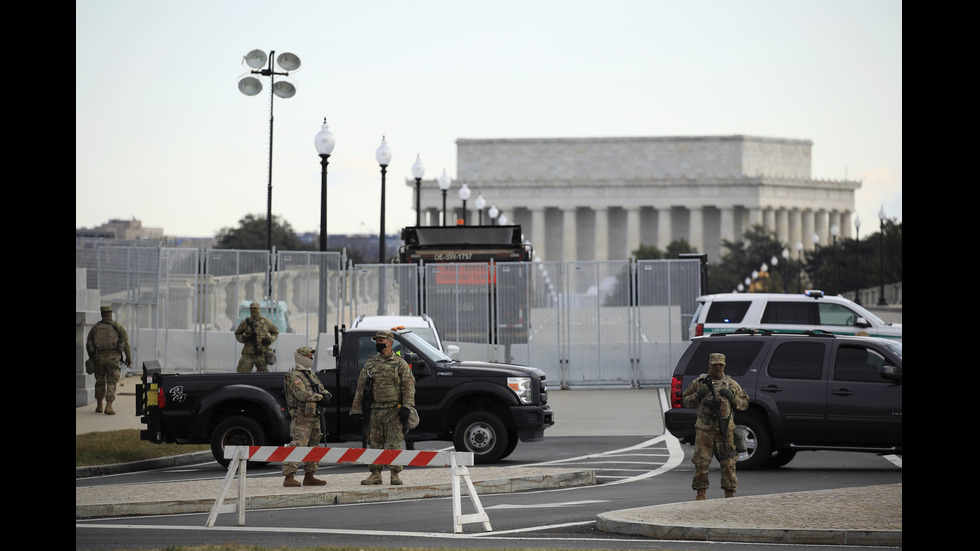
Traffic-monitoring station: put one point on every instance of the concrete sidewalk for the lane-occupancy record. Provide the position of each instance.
(847, 516)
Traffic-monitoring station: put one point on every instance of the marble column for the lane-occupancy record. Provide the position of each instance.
(696, 228)
(663, 227)
(568, 234)
(538, 232)
(632, 229)
(601, 233)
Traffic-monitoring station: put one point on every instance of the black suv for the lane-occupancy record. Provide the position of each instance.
(812, 391)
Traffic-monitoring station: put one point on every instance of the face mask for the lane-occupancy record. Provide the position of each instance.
(716, 371)
(380, 346)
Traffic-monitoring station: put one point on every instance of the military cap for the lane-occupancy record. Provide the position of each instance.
(105, 309)
(384, 335)
(716, 359)
(254, 305)
(304, 350)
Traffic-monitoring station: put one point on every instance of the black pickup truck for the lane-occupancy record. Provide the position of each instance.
(484, 408)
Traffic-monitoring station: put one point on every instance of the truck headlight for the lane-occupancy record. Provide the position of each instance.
(521, 387)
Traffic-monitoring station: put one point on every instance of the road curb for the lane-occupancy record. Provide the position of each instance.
(144, 465)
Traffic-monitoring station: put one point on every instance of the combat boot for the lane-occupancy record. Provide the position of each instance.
(310, 480)
(108, 408)
(700, 496)
(98, 406)
(375, 478)
(290, 481)
(395, 480)
(729, 493)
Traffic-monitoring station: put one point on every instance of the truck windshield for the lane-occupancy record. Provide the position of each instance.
(424, 347)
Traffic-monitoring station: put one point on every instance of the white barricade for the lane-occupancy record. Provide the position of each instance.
(458, 461)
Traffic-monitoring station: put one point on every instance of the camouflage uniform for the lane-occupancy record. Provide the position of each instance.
(394, 386)
(107, 344)
(708, 438)
(303, 393)
(265, 333)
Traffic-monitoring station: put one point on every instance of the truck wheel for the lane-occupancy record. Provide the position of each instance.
(482, 433)
(757, 440)
(235, 431)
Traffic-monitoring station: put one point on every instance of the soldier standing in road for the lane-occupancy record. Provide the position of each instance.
(304, 393)
(257, 333)
(709, 438)
(386, 388)
(107, 345)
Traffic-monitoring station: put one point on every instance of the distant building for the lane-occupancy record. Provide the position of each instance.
(131, 230)
(601, 198)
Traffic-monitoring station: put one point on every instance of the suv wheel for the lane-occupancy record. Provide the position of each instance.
(757, 440)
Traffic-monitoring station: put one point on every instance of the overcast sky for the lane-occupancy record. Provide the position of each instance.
(163, 135)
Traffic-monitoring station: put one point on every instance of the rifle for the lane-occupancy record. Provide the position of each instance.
(255, 337)
(715, 406)
(367, 397)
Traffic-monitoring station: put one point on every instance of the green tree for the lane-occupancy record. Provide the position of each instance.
(251, 235)
(756, 247)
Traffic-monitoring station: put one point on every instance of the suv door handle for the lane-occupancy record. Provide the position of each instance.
(771, 388)
(841, 392)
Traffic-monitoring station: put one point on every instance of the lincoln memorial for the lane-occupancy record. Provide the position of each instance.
(601, 198)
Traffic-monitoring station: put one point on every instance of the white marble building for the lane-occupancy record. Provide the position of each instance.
(601, 198)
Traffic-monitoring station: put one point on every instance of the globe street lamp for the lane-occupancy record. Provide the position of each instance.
(493, 212)
(833, 234)
(418, 170)
(881, 292)
(324, 142)
(383, 155)
(799, 276)
(444, 183)
(480, 203)
(251, 86)
(464, 194)
(786, 258)
(857, 259)
(816, 249)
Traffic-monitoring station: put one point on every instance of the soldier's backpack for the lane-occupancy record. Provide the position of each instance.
(105, 337)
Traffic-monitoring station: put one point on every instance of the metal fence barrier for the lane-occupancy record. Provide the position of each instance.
(586, 324)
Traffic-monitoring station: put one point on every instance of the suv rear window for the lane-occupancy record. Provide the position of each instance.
(738, 355)
(797, 360)
(727, 312)
(795, 313)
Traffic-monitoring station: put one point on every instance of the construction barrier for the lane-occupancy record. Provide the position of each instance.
(457, 461)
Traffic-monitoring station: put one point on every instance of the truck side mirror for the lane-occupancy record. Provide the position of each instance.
(420, 368)
(861, 322)
(892, 373)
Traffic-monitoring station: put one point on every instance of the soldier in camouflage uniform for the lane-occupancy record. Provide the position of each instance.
(257, 333)
(107, 345)
(709, 439)
(393, 394)
(304, 392)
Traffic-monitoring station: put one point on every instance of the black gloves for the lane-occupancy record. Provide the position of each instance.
(403, 414)
(702, 392)
(727, 394)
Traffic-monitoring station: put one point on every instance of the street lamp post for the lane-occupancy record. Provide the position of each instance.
(799, 276)
(493, 212)
(833, 234)
(480, 203)
(418, 170)
(251, 86)
(464, 194)
(324, 142)
(786, 258)
(444, 183)
(816, 250)
(383, 155)
(881, 248)
(857, 259)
